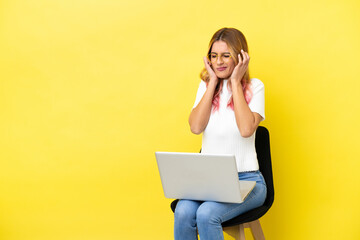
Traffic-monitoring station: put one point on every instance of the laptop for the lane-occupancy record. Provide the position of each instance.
(203, 177)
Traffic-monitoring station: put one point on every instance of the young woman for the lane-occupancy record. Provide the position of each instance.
(228, 108)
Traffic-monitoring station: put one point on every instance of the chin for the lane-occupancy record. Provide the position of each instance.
(223, 75)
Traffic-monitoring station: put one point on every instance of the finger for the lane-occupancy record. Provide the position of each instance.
(243, 54)
(206, 62)
(240, 61)
(208, 67)
(247, 57)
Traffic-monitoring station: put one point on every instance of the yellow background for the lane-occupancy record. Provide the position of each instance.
(90, 89)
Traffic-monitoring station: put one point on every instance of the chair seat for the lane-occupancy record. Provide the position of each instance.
(249, 216)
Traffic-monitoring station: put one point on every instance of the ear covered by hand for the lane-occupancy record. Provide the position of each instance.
(241, 68)
(212, 75)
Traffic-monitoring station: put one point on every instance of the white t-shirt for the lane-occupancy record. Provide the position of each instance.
(222, 136)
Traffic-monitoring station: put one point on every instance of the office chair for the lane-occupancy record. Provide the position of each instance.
(251, 218)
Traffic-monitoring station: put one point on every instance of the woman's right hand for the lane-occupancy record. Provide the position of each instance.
(199, 116)
(212, 75)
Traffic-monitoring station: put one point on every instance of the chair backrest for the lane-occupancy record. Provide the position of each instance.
(262, 145)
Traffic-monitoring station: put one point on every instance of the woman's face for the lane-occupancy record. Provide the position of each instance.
(221, 60)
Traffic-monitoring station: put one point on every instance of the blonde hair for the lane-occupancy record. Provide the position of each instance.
(235, 41)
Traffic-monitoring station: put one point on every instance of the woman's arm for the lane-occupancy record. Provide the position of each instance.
(199, 116)
(246, 120)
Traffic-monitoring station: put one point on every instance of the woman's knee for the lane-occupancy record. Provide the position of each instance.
(185, 210)
(205, 215)
(258, 195)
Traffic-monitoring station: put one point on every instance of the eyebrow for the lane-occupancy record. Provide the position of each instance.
(222, 53)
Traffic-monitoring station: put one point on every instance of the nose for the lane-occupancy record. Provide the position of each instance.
(219, 60)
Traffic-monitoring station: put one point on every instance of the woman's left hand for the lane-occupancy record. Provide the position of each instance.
(240, 69)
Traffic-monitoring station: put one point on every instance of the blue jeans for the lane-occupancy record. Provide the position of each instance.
(208, 216)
